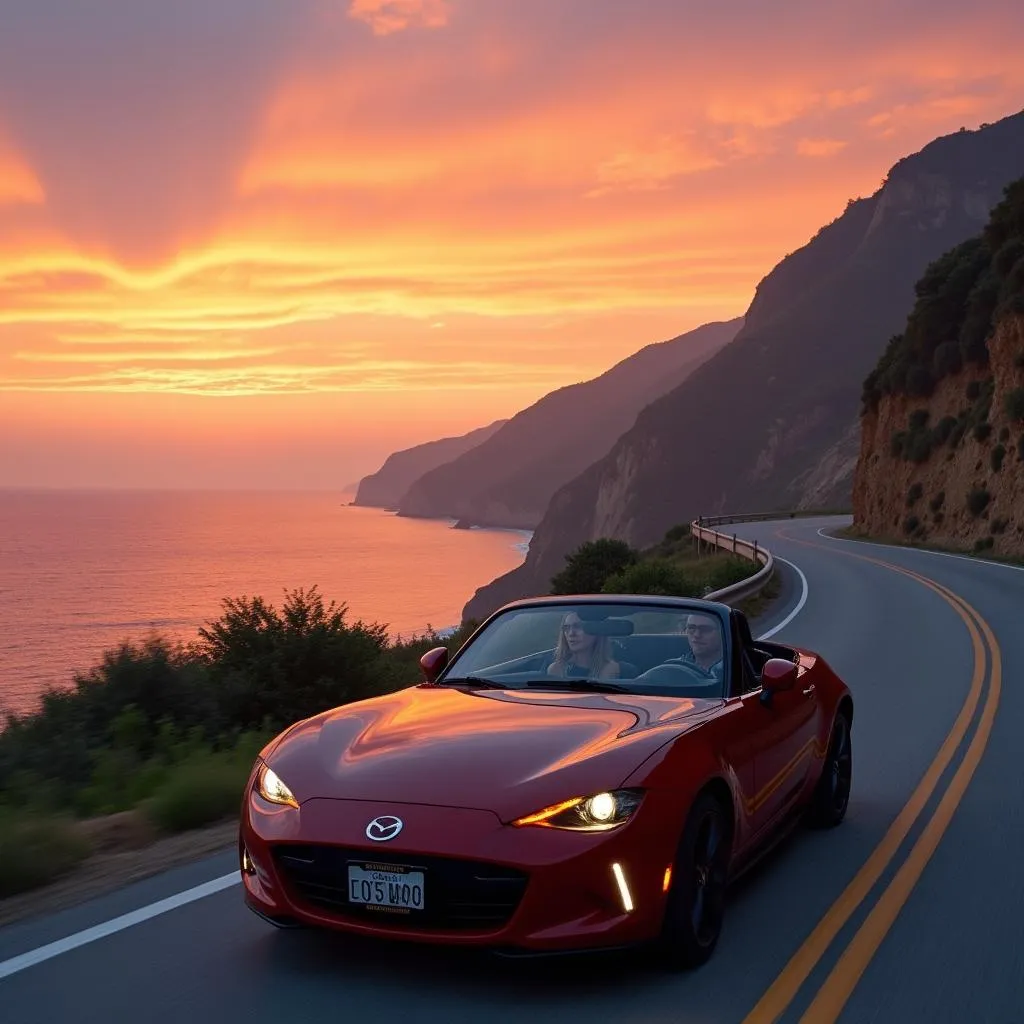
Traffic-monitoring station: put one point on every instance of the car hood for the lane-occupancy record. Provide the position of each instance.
(511, 752)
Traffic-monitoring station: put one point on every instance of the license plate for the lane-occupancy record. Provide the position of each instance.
(389, 885)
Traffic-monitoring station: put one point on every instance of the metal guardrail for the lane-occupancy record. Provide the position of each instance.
(701, 530)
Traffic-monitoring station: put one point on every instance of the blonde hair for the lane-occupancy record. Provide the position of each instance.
(600, 652)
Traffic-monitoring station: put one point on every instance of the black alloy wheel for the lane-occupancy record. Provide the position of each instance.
(832, 795)
(695, 907)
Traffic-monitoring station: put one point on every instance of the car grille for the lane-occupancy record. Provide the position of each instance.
(461, 895)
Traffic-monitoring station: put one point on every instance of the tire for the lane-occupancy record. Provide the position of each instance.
(695, 907)
(832, 793)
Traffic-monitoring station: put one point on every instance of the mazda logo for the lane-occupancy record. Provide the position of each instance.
(380, 830)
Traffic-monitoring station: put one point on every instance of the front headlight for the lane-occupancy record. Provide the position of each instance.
(270, 786)
(596, 813)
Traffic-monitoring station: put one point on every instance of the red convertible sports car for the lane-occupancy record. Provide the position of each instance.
(586, 772)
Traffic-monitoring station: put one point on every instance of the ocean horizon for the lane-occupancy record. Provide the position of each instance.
(84, 570)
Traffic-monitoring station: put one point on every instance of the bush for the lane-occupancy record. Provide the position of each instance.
(591, 564)
(982, 430)
(918, 446)
(1014, 404)
(206, 789)
(914, 494)
(276, 666)
(936, 503)
(943, 429)
(910, 524)
(977, 501)
(996, 458)
(34, 851)
(653, 576)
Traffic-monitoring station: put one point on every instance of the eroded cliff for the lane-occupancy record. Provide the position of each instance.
(949, 470)
(942, 438)
(771, 421)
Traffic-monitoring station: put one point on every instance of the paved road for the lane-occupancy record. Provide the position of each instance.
(952, 952)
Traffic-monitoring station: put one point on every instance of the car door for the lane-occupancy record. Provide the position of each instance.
(786, 745)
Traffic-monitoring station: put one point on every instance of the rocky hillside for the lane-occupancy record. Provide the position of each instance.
(386, 487)
(942, 443)
(771, 421)
(509, 480)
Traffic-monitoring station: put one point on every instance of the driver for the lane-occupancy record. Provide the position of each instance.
(704, 634)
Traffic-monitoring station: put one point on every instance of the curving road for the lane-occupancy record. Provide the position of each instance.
(913, 910)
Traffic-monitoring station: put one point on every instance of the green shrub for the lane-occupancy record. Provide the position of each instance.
(943, 429)
(982, 430)
(591, 564)
(1014, 404)
(35, 851)
(653, 576)
(914, 494)
(918, 446)
(977, 501)
(910, 524)
(205, 790)
(996, 457)
(973, 390)
(1004, 434)
(937, 501)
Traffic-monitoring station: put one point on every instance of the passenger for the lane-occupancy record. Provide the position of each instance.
(580, 654)
(704, 633)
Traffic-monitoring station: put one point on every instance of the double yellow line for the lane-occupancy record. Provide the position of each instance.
(844, 976)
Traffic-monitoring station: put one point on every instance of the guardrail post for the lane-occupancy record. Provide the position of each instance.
(755, 549)
(734, 543)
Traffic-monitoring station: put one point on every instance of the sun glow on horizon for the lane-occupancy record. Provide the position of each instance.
(391, 201)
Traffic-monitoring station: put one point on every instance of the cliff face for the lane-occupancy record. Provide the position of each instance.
(386, 487)
(963, 489)
(509, 480)
(770, 422)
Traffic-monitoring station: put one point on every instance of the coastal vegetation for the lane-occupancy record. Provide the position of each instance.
(170, 731)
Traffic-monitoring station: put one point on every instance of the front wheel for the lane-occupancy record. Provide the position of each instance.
(696, 901)
(832, 794)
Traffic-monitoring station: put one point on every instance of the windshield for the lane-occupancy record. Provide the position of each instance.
(671, 649)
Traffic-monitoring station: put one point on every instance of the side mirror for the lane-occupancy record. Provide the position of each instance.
(776, 676)
(434, 662)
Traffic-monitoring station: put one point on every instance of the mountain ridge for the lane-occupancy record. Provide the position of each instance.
(791, 378)
(385, 487)
(508, 480)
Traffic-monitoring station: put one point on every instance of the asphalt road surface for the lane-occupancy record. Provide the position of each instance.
(912, 910)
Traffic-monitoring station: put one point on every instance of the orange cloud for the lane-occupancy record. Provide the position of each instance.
(820, 147)
(555, 184)
(387, 16)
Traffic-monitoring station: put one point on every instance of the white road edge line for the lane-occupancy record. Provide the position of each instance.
(117, 924)
(923, 551)
(799, 605)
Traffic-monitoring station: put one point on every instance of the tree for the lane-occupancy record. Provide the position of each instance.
(591, 564)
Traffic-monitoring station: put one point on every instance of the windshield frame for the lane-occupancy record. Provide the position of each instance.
(570, 602)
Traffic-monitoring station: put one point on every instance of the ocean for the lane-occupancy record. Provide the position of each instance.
(82, 571)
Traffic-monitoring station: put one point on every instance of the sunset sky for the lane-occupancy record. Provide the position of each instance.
(262, 243)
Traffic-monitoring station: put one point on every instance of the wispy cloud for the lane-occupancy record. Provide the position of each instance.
(820, 147)
(387, 16)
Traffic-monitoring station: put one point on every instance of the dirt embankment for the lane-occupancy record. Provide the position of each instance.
(949, 469)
